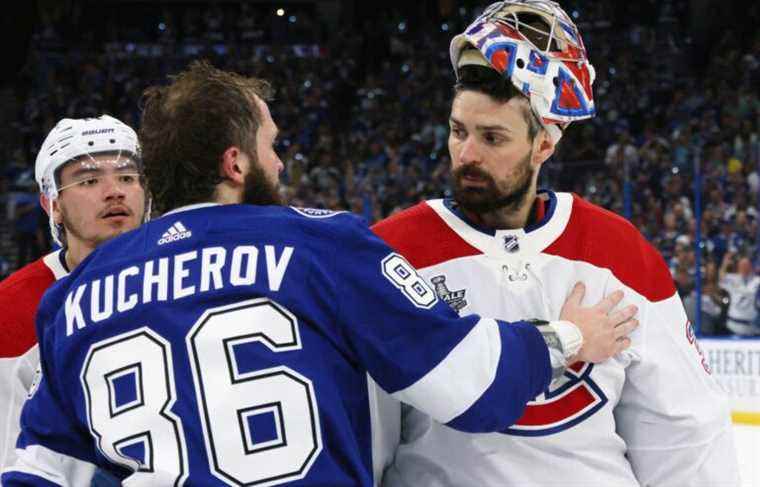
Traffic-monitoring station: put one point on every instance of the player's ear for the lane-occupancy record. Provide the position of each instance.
(543, 147)
(45, 202)
(234, 164)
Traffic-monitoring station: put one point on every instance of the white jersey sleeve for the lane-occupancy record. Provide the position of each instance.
(672, 414)
(16, 377)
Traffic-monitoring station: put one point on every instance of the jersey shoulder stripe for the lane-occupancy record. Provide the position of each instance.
(422, 237)
(606, 240)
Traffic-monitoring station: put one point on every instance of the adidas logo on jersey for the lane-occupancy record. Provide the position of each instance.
(174, 233)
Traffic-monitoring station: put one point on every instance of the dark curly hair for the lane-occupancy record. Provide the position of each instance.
(488, 81)
(188, 124)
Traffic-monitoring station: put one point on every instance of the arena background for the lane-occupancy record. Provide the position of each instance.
(363, 92)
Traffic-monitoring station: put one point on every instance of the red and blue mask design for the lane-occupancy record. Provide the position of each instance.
(552, 69)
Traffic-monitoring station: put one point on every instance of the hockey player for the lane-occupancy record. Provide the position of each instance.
(229, 344)
(88, 171)
(651, 416)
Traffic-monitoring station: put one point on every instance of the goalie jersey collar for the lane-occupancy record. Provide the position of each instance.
(534, 238)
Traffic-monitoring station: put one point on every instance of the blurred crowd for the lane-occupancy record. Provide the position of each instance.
(363, 111)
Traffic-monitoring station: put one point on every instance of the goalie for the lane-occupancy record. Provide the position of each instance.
(650, 416)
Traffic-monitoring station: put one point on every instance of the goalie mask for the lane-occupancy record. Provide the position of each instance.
(100, 147)
(534, 45)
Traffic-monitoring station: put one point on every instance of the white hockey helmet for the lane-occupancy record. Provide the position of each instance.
(554, 75)
(75, 138)
(79, 139)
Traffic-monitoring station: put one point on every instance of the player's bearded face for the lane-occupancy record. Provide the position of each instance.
(258, 189)
(491, 152)
(492, 194)
(261, 185)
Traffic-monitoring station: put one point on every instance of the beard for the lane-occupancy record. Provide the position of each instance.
(491, 197)
(259, 190)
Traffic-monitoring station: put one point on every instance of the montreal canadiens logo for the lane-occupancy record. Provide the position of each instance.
(573, 401)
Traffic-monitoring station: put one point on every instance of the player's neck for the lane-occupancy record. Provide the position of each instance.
(75, 253)
(228, 194)
(506, 218)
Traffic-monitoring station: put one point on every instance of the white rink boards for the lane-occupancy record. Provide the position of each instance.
(748, 446)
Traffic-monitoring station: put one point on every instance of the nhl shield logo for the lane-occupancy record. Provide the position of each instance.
(511, 244)
(455, 299)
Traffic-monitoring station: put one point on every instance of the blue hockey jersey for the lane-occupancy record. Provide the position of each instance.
(231, 345)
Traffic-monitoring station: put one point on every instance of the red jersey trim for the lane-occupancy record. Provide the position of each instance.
(20, 295)
(606, 240)
(422, 237)
(554, 412)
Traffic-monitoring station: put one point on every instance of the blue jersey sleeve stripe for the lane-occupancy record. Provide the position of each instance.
(14, 478)
(454, 385)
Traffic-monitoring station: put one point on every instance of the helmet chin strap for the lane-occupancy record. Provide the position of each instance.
(54, 231)
(148, 208)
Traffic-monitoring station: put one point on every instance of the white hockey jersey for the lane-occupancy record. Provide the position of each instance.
(650, 417)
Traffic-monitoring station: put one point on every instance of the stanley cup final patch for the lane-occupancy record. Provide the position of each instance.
(455, 299)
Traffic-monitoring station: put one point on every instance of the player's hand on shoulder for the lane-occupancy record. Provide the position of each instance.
(605, 331)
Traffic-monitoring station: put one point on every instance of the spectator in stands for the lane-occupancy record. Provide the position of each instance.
(742, 286)
(622, 153)
(714, 302)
